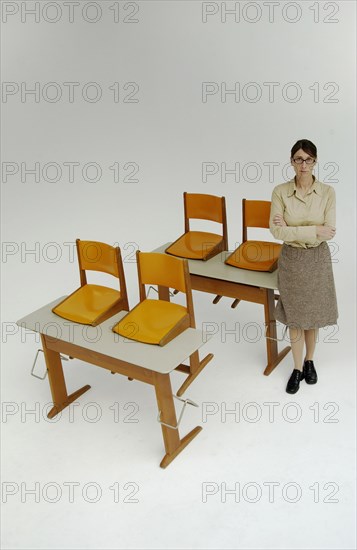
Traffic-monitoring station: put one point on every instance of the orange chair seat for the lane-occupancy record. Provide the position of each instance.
(256, 256)
(153, 322)
(87, 304)
(195, 245)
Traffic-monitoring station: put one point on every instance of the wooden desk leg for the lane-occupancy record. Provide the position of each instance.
(173, 444)
(196, 366)
(274, 357)
(60, 397)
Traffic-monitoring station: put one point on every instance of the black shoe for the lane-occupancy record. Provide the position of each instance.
(310, 373)
(294, 381)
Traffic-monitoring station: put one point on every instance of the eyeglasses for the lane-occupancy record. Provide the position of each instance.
(308, 161)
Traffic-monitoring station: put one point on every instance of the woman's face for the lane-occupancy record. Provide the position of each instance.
(302, 163)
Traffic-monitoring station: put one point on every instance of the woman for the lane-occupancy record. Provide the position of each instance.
(303, 212)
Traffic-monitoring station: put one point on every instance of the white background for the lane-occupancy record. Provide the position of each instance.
(169, 132)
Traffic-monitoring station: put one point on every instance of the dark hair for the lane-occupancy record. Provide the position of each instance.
(307, 146)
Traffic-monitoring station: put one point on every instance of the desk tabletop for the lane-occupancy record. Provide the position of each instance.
(102, 339)
(215, 268)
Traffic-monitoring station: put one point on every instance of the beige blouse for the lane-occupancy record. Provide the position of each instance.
(302, 215)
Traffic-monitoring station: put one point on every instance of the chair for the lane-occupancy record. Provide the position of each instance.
(159, 321)
(199, 245)
(255, 255)
(92, 304)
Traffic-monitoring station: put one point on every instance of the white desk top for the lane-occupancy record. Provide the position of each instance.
(215, 268)
(101, 339)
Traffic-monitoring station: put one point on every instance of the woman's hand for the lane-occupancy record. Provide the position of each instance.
(279, 220)
(325, 231)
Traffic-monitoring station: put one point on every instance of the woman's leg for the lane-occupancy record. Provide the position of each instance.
(310, 342)
(309, 370)
(297, 346)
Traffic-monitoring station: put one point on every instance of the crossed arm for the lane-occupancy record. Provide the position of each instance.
(305, 233)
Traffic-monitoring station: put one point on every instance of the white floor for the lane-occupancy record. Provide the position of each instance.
(276, 473)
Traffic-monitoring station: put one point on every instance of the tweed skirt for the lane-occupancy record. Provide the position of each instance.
(306, 286)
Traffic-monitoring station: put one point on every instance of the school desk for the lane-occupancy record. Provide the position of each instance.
(102, 347)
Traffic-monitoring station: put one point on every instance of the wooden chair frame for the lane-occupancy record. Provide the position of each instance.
(188, 290)
(123, 303)
(186, 197)
(196, 365)
(244, 217)
(223, 243)
(120, 304)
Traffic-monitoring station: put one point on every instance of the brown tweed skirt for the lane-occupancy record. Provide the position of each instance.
(307, 289)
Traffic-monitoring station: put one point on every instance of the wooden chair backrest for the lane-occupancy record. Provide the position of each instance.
(98, 256)
(167, 271)
(205, 207)
(255, 214)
